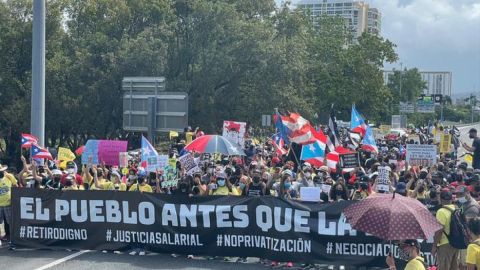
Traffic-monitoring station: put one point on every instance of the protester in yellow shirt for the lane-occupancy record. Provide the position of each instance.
(473, 250)
(141, 185)
(100, 183)
(221, 186)
(409, 250)
(7, 181)
(447, 256)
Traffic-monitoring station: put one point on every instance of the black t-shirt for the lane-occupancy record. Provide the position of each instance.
(476, 153)
(255, 190)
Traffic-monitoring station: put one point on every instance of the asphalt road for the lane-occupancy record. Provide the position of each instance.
(22, 259)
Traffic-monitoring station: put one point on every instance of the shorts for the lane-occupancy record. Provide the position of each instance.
(6, 214)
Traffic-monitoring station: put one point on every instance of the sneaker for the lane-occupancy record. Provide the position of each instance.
(104, 251)
(190, 257)
(174, 256)
(274, 263)
(226, 259)
(289, 264)
(117, 252)
(141, 253)
(133, 253)
(242, 260)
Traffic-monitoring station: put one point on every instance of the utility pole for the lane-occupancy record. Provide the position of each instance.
(37, 116)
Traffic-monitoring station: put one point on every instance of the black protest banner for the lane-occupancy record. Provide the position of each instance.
(351, 160)
(264, 227)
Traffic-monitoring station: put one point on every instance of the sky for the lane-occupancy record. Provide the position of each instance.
(435, 35)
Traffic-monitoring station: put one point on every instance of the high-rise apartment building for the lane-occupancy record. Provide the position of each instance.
(437, 82)
(357, 14)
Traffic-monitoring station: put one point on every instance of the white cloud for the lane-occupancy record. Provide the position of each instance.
(436, 35)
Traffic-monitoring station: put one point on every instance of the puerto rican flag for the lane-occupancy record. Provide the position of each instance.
(279, 144)
(334, 157)
(298, 129)
(40, 152)
(357, 123)
(28, 140)
(368, 143)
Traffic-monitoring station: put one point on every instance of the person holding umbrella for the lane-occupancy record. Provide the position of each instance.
(409, 250)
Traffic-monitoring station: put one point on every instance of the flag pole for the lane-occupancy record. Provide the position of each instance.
(295, 155)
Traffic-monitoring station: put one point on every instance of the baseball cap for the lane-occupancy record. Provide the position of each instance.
(411, 242)
(472, 130)
(446, 195)
(57, 172)
(289, 172)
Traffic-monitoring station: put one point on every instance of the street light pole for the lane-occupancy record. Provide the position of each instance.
(37, 116)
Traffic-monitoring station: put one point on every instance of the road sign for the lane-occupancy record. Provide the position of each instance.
(148, 108)
(266, 120)
(426, 105)
(407, 107)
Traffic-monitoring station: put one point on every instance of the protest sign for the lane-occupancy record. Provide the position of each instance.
(123, 159)
(383, 179)
(265, 227)
(65, 154)
(445, 143)
(310, 194)
(162, 161)
(106, 151)
(188, 163)
(234, 131)
(414, 138)
(351, 160)
(326, 188)
(169, 183)
(421, 154)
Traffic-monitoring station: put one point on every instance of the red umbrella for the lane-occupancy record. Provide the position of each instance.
(215, 144)
(392, 217)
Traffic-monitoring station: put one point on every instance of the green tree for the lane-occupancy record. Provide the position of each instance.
(406, 85)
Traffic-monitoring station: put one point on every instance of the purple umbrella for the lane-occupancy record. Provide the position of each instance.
(392, 217)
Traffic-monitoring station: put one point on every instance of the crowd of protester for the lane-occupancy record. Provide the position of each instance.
(443, 187)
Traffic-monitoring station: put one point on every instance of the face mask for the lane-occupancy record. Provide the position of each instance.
(71, 170)
(403, 255)
(471, 136)
(242, 185)
(221, 182)
(256, 179)
(210, 170)
(57, 178)
(131, 177)
(2, 174)
(477, 188)
(421, 189)
(307, 174)
(462, 200)
(99, 174)
(287, 185)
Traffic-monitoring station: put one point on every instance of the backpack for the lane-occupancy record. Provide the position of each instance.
(458, 236)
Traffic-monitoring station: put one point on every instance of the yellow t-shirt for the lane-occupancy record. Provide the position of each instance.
(473, 254)
(415, 264)
(120, 187)
(144, 188)
(444, 217)
(6, 184)
(224, 191)
(70, 188)
(104, 185)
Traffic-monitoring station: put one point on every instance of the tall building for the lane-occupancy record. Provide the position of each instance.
(357, 14)
(438, 82)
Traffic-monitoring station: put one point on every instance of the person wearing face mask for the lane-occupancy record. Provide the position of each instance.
(339, 192)
(71, 170)
(257, 187)
(7, 181)
(473, 250)
(470, 209)
(408, 250)
(475, 148)
(54, 181)
(223, 187)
